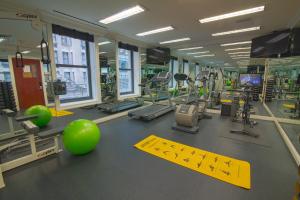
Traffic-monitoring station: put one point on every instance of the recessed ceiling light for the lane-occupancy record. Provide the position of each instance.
(123, 14)
(208, 55)
(102, 52)
(191, 48)
(237, 31)
(241, 48)
(176, 40)
(240, 52)
(25, 52)
(239, 55)
(159, 30)
(236, 43)
(199, 52)
(103, 43)
(233, 14)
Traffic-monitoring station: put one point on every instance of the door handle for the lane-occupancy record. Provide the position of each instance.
(41, 85)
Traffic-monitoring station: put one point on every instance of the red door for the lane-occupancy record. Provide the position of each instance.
(29, 83)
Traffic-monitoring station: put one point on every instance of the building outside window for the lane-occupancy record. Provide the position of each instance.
(54, 40)
(186, 70)
(72, 66)
(126, 71)
(83, 58)
(65, 56)
(83, 45)
(173, 68)
(4, 71)
(55, 56)
(66, 41)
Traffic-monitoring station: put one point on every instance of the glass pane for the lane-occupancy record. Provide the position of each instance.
(124, 59)
(186, 71)
(77, 82)
(4, 71)
(125, 81)
(69, 51)
(125, 71)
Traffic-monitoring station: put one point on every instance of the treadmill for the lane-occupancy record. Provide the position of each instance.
(155, 110)
(119, 106)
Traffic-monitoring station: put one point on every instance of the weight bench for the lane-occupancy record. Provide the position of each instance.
(10, 114)
(32, 132)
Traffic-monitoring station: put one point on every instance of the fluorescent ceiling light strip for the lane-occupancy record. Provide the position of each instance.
(241, 48)
(239, 55)
(123, 14)
(103, 43)
(176, 40)
(236, 58)
(237, 31)
(191, 48)
(236, 43)
(199, 52)
(25, 52)
(208, 55)
(233, 14)
(159, 30)
(102, 52)
(2, 39)
(240, 52)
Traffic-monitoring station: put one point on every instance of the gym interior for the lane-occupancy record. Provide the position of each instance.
(137, 100)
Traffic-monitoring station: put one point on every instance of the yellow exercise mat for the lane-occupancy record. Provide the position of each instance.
(230, 101)
(224, 168)
(289, 106)
(60, 113)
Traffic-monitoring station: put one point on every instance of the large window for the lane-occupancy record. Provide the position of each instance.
(4, 71)
(72, 66)
(197, 71)
(186, 70)
(174, 70)
(126, 71)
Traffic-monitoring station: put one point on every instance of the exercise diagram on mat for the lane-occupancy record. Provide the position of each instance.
(224, 168)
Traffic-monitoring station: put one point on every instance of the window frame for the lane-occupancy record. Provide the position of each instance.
(130, 69)
(89, 75)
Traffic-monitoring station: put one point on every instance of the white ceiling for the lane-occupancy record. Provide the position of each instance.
(183, 15)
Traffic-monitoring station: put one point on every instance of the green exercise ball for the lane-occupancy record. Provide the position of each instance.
(228, 83)
(81, 136)
(43, 115)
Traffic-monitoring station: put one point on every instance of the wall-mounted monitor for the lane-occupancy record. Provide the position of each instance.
(250, 79)
(272, 45)
(158, 56)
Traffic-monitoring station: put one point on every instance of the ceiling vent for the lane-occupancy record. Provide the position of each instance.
(4, 36)
(27, 16)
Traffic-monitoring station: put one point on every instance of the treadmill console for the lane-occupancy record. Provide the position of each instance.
(162, 77)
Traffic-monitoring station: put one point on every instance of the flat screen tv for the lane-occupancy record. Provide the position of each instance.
(272, 45)
(158, 56)
(295, 42)
(250, 79)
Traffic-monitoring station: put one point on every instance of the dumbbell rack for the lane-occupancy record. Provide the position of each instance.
(269, 90)
(7, 99)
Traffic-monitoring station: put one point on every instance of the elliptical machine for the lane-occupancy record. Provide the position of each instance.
(187, 115)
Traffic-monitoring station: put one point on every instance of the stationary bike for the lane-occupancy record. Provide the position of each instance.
(245, 115)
